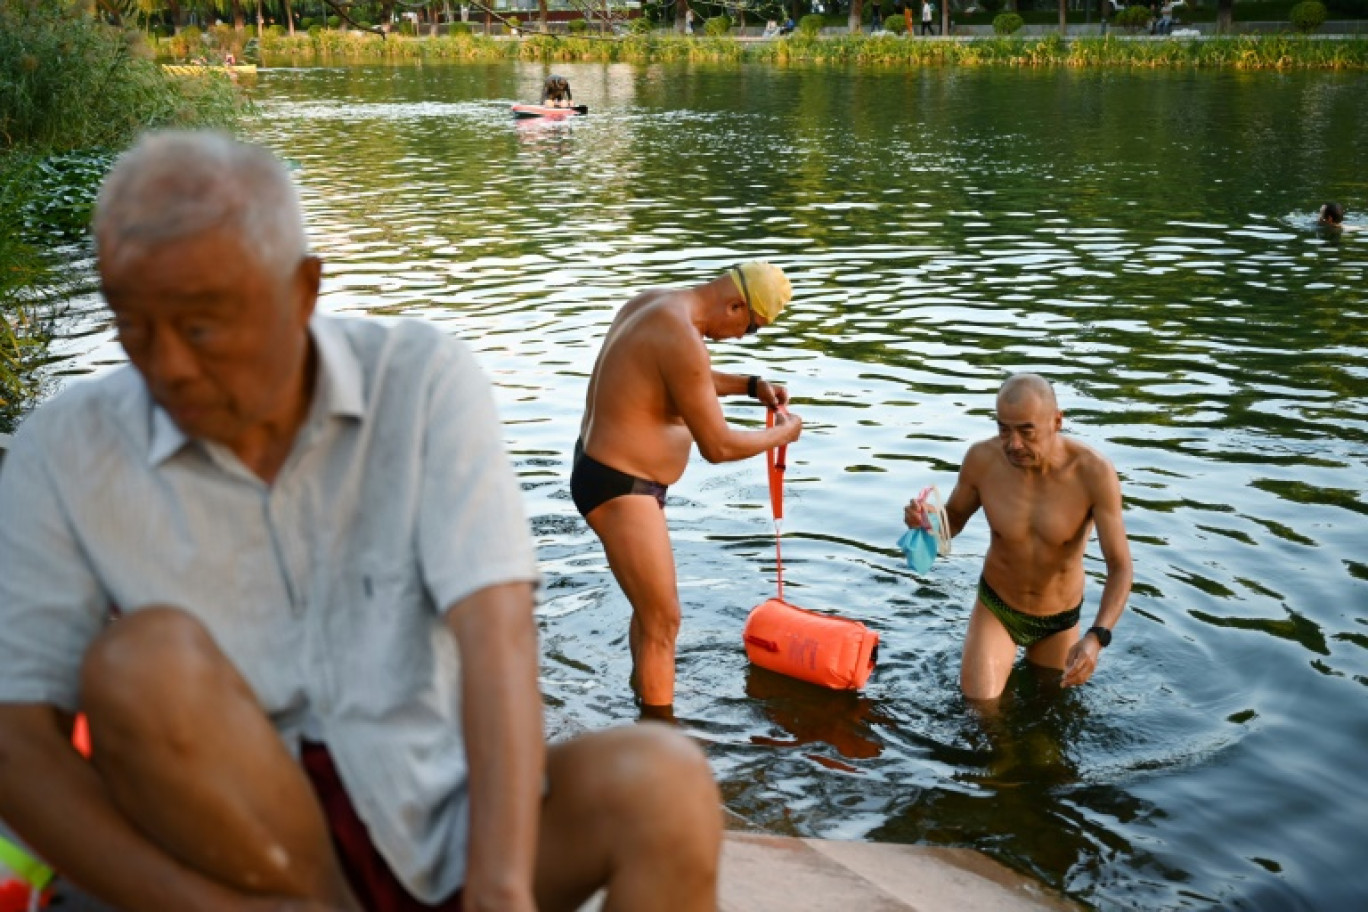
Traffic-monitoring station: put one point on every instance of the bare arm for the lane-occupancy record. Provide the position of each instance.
(56, 802)
(964, 499)
(691, 384)
(770, 394)
(502, 712)
(1111, 537)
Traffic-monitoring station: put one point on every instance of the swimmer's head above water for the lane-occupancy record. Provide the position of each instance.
(1331, 214)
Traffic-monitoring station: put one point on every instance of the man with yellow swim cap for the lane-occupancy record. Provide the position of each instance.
(652, 395)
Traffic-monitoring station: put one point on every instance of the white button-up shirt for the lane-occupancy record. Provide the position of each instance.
(326, 588)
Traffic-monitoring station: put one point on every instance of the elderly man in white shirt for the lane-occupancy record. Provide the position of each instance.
(321, 688)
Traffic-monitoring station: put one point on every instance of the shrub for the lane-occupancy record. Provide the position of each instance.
(810, 26)
(70, 82)
(717, 26)
(222, 36)
(460, 28)
(189, 43)
(895, 24)
(1308, 16)
(1133, 17)
(334, 21)
(306, 23)
(513, 23)
(578, 26)
(1006, 23)
(640, 26)
(275, 31)
(315, 31)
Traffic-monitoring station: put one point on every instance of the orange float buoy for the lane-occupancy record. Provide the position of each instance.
(834, 652)
(829, 651)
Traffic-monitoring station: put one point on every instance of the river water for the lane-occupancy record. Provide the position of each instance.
(1142, 238)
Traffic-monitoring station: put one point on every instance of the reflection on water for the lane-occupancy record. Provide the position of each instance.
(1142, 238)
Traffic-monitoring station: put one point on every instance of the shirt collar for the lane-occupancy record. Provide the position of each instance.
(337, 390)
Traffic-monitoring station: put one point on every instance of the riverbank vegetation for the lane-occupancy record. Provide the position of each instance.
(73, 92)
(1282, 52)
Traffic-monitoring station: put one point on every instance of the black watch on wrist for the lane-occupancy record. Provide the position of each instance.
(1103, 635)
(753, 387)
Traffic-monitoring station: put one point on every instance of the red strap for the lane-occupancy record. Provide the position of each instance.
(776, 462)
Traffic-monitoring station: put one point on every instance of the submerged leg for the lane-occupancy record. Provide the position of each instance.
(637, 543)
(988, 656)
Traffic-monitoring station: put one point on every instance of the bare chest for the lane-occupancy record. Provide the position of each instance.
(1036, 511)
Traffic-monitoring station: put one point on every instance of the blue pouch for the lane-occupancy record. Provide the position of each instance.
(920, 546)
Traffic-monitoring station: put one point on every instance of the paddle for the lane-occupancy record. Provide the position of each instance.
(580, 109)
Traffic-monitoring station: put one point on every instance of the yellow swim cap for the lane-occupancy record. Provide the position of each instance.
(765, 288)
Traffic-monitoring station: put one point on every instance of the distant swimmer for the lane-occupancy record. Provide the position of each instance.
(652, 395)
(1042, 493)
(1331, 214)
(556, 92)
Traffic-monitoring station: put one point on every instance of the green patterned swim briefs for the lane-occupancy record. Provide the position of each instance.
(1025, 629)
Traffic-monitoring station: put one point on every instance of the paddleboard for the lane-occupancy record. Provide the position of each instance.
(527, 110)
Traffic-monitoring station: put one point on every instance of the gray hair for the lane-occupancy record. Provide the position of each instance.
(177, 183)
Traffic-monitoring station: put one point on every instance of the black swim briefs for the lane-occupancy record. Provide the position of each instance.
(593, 484)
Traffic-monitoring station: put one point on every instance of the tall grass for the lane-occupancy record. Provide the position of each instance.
(70, 82)
(1243, 52)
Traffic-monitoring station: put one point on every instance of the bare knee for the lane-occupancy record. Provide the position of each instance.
(147, 670)
(660, 624)
(646, 774)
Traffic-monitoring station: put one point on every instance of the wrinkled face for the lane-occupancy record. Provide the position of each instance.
(220, 339)
(1027, 428)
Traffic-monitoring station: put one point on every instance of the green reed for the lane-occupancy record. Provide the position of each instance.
(1279, 52)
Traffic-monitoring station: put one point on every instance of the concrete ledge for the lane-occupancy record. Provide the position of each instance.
(762, 873)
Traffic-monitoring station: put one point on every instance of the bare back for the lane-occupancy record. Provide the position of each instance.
(631, 421)
(1039, 521)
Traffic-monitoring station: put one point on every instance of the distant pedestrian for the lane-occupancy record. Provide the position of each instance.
(928, 12)
(1166, 18)
(689, 21)
(876, 21)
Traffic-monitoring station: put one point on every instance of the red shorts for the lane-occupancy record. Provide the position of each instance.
(371, 879)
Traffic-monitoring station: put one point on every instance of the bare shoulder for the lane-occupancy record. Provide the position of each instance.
(1095, 469)
(981, 457)
(643, 304)
(654, 326)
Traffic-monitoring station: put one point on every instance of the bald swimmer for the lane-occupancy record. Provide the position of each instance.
(1043, 494)
(653, 393)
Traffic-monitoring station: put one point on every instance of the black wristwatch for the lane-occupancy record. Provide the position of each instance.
(753, 387)
(1103, 635)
